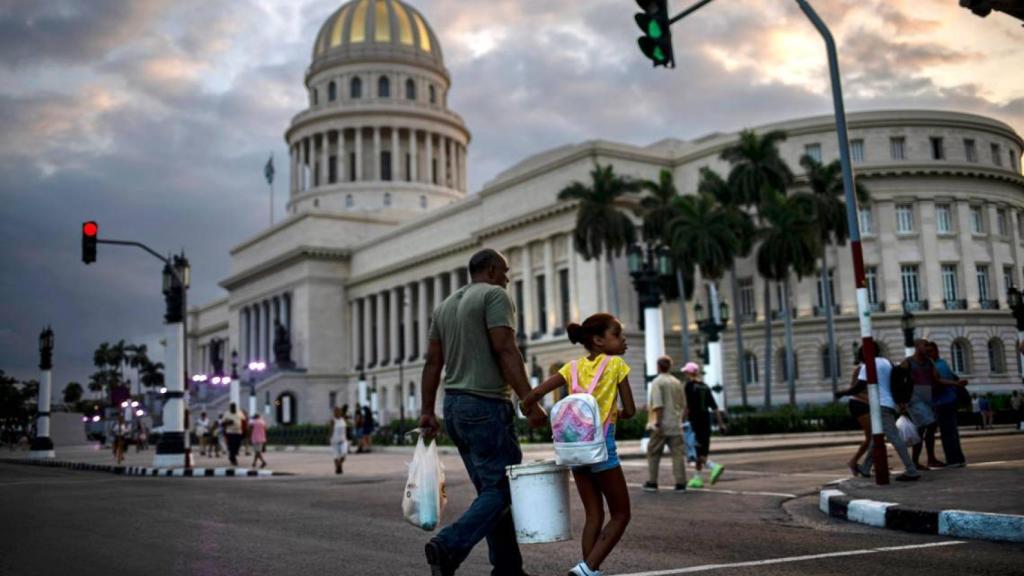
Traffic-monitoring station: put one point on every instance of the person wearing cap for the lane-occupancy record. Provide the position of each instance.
(699, 402)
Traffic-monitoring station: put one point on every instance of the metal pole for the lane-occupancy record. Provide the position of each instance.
(863, 309)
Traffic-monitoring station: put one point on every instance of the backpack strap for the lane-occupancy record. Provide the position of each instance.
(598, 374)
(575, 376)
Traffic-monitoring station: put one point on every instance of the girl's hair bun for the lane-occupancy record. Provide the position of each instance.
(575, 332)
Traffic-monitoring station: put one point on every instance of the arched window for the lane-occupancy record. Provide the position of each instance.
(959, 357)
(410, 89)
(356, 88)
(749, 368)
(349, 201)
(286, 409)
(332, 91)
(783, 375)
(387, 198)
(996, 358)
(423, 202)
(826, 363)
(433, 94)
(383, 87)
(316, 96)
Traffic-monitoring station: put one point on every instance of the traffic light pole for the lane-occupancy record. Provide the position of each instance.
(863, 309)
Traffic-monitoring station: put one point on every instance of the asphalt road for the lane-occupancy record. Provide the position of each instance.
(761, 518)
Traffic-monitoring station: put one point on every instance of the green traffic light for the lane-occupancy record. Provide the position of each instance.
(653, 29)
(659, 55)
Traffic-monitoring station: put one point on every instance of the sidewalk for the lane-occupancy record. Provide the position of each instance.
(984, 501)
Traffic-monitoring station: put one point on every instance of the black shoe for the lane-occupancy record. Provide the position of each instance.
(650, 487)
(680, 488)
(908, 478)
(438, 560)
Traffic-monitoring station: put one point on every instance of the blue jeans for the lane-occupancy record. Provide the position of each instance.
(483, 429)
(946, 416)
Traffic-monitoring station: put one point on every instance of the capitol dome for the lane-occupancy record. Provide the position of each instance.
(376, 30)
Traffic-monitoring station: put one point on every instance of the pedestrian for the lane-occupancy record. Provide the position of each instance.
(884, 371)
(258, 437)
(232, 425)
(860, 410)
(339, 438)
(944, 401)
(985, 404)
(667, 411)
(143, 438)
(1017, 405)
(976, 410)
(699, 402)
(122, 432)
(357, 429)
(367, 429)
(473, 341)
(602, 336)
(925, 379)
(203, 434)
(246, 443)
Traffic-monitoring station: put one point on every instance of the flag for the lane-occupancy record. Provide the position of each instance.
(268, 170)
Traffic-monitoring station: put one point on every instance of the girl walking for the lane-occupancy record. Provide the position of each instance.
(258, 439)
(339, 438)
(860, 411)
(601, 335)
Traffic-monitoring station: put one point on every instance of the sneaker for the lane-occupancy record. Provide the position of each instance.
(716, 471)
(582, 569)
(650, 487)
(437, 558)
(695, 482)
(680, 488)
(936, 464)
(908, 478)
(956, 465)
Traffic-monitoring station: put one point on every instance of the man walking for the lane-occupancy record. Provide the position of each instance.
(232, 425)
(668, 409)
(884, 369)
(944, 401)
(472, 337)
(699, 402)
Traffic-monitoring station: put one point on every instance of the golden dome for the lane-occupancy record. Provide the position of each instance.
(365, 29)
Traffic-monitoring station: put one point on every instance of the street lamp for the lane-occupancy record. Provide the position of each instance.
(712, 327)
(255, 368)
(234, 393)
(172, 448)
(908, 324)
(41, 444)
(648, 267)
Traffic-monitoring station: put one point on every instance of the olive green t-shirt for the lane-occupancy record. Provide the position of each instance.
(461, 323)
(667, 394)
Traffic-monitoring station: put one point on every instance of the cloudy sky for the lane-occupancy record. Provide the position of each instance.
(155, 117)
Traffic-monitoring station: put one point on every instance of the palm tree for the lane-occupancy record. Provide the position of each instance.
(138, 356)
(72, 393)
(712, 183)
(757, 173)
(789, 243)
(601, 228)
(829, 209)
(657, 210)
(151, 374)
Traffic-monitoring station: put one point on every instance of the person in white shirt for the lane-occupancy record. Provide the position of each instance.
(203, 433)
(339, 438)
(884, 371)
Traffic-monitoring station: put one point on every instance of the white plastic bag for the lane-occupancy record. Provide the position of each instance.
(908, 432)
(425, 498)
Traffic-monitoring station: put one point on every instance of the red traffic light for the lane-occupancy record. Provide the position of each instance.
(90, 229)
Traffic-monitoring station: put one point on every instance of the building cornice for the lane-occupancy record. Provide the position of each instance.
(207, 330)
(283, 261)
(368, 114)
(357, 217)
(940, 168)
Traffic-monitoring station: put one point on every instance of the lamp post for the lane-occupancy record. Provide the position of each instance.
(712, 328)
(1017, 308)
(254, 369)
(233, 390)
(42, 445)
(908, 325)
(647, 267)
(170, 451)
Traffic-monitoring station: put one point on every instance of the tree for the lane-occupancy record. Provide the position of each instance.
(72, 393)
(601, 228)
(137, 358)
(151, 374)
(757, 173)
(826, 198)
(789, 243)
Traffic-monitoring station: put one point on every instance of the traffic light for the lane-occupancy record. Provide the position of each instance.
(90, 230)
(656, 43)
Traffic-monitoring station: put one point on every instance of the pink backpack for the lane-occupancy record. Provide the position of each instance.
(576, 426)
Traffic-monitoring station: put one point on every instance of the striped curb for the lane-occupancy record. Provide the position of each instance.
(146, 471)
(954, 523)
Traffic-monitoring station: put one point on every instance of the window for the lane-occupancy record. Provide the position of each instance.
(423, 202)
(332, 169)
(1008, 279)
(747, 310)
(826, 362)
(977, 220)
(983, 284)
(349, 201)
(866, 225)
(316, 96)
(749, 368)
(959, 357)
(997, 155)
(996, 360)
(943, 219)
(410, 89)
(970, 150)
(896, 148)
(1013, 160)
(541, 304)
(814, 151)
(433, 163)
(408, 167)
(387, 198)
(938, 149)
(332, 400)
(831, 289)
(332, 91)
(564, 296)
(383, 87)
(910, 283)
(355, 88)
(857, 150)
(352, 166)
(783, 373)
(904, 218)
(1001, 224)
(385, 165)
(520, 317)
(950, 287)
(871, 279)
(433, 94)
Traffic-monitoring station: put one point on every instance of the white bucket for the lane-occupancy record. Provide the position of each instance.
(540, 502)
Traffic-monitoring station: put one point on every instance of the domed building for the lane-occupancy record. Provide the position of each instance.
(335, 299)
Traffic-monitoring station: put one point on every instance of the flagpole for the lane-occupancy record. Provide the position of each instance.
(271, 182)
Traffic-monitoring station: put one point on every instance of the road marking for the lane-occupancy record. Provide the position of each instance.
(43, 482)
(710, 567)
(665, 464)
(722, 491)
(996, 462)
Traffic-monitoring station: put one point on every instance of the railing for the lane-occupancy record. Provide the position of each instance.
(876, 306)
(748, 318)
(777, 314)
(821, 310)
(915, 306)
(955, 304)
(989, 304)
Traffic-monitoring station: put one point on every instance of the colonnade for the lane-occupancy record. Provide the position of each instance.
(257, 321)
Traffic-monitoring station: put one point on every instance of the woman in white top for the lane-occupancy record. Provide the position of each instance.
(339, 437)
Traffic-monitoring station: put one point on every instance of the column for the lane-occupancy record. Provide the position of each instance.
(342, 164)
(409, 335)
(42, 444)
(381, 355)
(442, 160)
(268, 334)
(293, 153)
(438, 291)
(423, 312)
(376, 153)
(574, 297)
(304, 161)
(287, 312)
(460, 157)
(414, 165)
(453, 279)
(359, 153)
(254, 337)
(967, 259)
(325, 158)
(366, 346)
(527, 311)
(930, 271)
(549, 284)
(357, 362)
(394, 326)
(396, 156)
(170, 452)
(429, 140)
